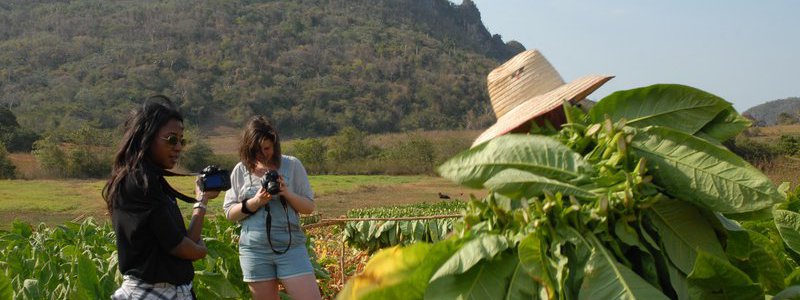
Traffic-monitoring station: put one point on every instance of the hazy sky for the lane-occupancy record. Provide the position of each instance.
(745, 51)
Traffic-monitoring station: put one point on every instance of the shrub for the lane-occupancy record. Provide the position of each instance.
(197, 156)
(348, 144)
(84, 163)
(413, 155)
(51, 158)
(789, 145)
(757, 154)
(312, 152)
(7, 169)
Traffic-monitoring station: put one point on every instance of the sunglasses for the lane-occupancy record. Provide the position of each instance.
(173, 140)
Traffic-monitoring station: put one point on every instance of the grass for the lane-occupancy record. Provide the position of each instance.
(57, 201)
(50, 195)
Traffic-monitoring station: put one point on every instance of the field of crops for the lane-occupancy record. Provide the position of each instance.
(79, 260)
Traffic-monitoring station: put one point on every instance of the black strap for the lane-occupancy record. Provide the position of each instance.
(269, 228)
(174, 192)
(245, 209)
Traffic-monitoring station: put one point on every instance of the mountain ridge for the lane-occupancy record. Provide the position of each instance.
(313, 67)
(767, 114)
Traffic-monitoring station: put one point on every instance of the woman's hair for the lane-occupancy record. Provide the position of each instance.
(257, 130)
(141, 129)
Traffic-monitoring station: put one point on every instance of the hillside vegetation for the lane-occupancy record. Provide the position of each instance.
(314, 67)
(777, 112)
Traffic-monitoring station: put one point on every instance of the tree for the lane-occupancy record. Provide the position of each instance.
(197, 156)
(348, 144)
(51, 158)
(787, 119)
(312, 152)
(7, 169)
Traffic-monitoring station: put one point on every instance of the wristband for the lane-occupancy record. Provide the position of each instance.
(246, 210)
(199, 205)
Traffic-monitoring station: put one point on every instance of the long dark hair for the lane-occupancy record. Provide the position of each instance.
(257, 130)
(141, 129)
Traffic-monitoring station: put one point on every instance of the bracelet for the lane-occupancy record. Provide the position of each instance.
(246, 210)
(199, 205)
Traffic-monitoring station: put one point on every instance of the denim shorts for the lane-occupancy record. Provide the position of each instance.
(259, 263)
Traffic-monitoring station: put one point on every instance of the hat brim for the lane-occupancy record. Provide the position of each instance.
(542, 104)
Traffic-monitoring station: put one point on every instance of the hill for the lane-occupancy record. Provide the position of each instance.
(769, 113)
(313, 66)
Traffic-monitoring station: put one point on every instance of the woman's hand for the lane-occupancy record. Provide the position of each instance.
(201, 195)
(261, 197)
(282, 187)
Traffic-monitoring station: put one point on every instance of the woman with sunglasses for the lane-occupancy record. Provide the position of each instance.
(154, 248)
(271, 243)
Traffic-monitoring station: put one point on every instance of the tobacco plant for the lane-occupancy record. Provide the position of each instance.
(635, 199)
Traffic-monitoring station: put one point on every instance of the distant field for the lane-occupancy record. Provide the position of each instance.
(57, 201)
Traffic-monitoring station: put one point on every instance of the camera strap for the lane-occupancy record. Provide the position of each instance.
(269, 228)
(176, 193)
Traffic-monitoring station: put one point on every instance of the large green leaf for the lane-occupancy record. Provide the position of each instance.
(697, 171)
(515, 183)
(540, 155)
(681, 107)
(400, 273)
(683, 232)
(388, 267)
(788, 223)
(6, 291)
(677, 280)
(87, 279)
(605, 278)
(217, 284)
(534, 261)
(489, 279)
(715, 278)
(726, 125)
(473, 251)
(522, 285)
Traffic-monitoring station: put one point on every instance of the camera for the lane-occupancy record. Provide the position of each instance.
(213, 178)
(270, 182)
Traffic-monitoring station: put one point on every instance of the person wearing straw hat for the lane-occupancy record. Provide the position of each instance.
(527, 87)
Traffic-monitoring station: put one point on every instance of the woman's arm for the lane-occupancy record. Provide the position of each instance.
(299, 196)
(261, 198)
(192, 246)
(190, 250)
(301, 204)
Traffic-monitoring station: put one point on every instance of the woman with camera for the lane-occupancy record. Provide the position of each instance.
(154, 248)
(268, 190)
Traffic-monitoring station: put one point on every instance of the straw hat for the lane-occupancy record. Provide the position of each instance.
(526, 87)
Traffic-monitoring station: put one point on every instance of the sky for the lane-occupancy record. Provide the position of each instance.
(745, 51)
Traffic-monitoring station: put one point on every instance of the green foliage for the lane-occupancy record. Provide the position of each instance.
(756, 153)
(789, 145)
(347, 145)
(374, 235)
(313, 67)
(51, 158)
(197, 156)
(79, 261)
(413, 154)
(7, 169)
(312, 152)
(785, 118)
(15, 138)
(82, 162)
(602, 209)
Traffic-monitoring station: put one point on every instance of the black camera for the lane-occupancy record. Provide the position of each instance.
(213, 178)
(270, 182)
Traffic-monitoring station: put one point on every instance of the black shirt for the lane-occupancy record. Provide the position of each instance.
(148, 224)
